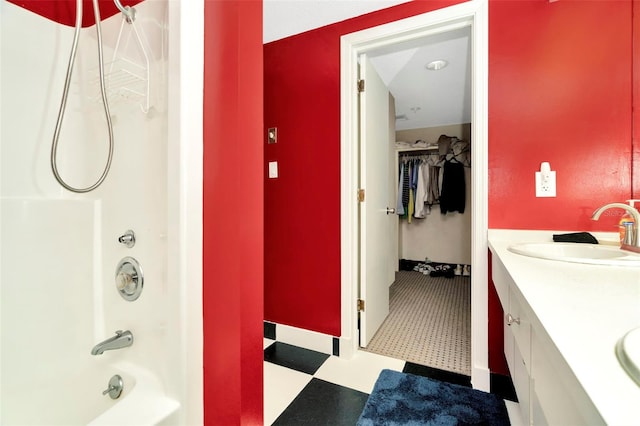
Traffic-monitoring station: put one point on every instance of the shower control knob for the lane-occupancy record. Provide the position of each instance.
(129, 278)
(128, 238)
(124, 282)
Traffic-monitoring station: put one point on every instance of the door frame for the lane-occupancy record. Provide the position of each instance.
(475, 14)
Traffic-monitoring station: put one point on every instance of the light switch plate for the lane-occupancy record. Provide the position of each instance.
(273, 169)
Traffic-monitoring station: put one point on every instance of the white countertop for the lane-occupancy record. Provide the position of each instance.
(584, 310)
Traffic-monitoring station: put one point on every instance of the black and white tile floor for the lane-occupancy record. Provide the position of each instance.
(304, 387)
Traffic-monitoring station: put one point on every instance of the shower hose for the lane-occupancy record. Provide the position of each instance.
(63, 102)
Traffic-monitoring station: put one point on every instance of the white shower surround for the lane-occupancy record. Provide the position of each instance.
(59, 250)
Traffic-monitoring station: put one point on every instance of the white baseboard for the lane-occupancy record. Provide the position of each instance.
(347, 348)
(304, 338)
(481, 379)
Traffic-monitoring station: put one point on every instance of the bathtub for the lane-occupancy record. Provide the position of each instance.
(78, 400)
(142, 402)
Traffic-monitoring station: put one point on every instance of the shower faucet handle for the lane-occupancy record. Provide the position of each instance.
(128, 238)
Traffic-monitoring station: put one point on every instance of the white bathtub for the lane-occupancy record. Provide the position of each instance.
(143, 401)
(78, 400)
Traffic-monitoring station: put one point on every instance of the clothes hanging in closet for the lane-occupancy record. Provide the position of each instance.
(406, 184)
(433, 177)
(433, 190)
(452, 197)
(421, 193)
(413, 189)
(404, 206)
(399, 203)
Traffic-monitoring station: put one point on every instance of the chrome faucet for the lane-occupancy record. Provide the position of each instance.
(122, 339)
(631, 239)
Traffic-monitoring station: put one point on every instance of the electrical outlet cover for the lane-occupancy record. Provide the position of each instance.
(546, 187)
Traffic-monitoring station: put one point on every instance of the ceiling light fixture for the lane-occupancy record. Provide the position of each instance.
(437, 65)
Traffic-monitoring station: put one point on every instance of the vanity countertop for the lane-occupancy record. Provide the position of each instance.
(584, 310)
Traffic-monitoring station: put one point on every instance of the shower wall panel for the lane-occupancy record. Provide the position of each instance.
(41, 347)
(60, 249)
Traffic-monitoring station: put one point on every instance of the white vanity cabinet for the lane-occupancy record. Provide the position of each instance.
(548, 392)
(557, 396)
(517, 337)
(561, 354)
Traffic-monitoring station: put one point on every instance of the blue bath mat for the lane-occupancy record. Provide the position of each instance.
(406, 399)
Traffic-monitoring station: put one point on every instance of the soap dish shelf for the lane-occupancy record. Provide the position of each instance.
(127, 79)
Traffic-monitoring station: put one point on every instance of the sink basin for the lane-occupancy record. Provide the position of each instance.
(628, 353)
(594, 254)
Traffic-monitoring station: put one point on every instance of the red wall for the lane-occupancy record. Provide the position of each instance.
(302, 206)
(555, 95)
(559, 91)
(64, 11)
(233, 213)
(636, 99)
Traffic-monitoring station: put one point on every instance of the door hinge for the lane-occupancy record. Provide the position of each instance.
(361, 195)
(360, 305)
(360, 86)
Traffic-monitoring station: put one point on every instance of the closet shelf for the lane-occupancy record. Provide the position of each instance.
(412, 149)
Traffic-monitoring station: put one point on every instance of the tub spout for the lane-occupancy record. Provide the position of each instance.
(122, 339)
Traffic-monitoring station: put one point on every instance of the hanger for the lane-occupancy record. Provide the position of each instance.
(453, 158)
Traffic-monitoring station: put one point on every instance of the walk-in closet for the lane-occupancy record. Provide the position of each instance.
(429, 319)
(430, 145)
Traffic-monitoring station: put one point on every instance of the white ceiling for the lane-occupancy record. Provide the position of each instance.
(423, 98)
(284, 18)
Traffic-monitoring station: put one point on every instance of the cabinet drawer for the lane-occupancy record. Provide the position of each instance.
(501, 281)
(519, 370)
(521, 383)
(520, 326)
(559, 399)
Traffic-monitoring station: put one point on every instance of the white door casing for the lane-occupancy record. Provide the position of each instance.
(376, 222)
(473, 13)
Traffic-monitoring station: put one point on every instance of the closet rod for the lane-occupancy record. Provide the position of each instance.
(417, 153)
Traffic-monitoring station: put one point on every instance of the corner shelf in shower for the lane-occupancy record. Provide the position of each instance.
(126, 79)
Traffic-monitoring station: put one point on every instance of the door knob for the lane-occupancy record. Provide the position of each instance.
(391, 210)
(512, 320)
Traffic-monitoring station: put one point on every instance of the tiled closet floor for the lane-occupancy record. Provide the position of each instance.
(304, 387)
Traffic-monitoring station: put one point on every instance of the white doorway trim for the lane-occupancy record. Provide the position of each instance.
(474, 14)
